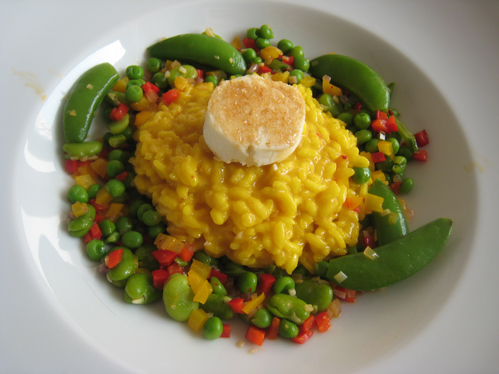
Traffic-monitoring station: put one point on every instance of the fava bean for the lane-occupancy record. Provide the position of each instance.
(132, 239)
(319, 295)
(216, 305)
(77, 194)
(107, 227)
(145, 257)
(178, 298)
(288, 307)
(96, 249)
(118, 127)
(80, 225)
(139, 289)
(247, 282)
(218, 287)
(79, 150)
(262, 318)
(288, 329)
(213, 328)
(125, 268)
(283, 284)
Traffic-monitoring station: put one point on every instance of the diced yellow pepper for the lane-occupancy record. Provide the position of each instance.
(169, 242)
(307, 81)
(79, 208)
(252, 304)
(103, 197)
(203, 269)
(197, 319)
(386, 148)
(281, 77)
(330, 89)
(114, 210)
(236, 43)
(378, 174)
(142, 117)
(270, 52)
(195, 280)
(85, 181)
(181, 83)
(375, 203)
(85, 169)
(368, 156)
(204, 290)
(141, 105)
(120, 86)
(99, 166)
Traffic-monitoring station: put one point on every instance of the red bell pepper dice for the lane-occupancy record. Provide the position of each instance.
(323, 322)
(255, 335)
(115, 258)
(266, 283)
(302, 337)
(421, 138)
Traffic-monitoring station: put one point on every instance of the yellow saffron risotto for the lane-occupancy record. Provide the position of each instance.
(288, 212)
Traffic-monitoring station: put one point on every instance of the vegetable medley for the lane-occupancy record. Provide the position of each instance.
(133, 241)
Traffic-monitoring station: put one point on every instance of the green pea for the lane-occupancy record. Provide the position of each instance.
(406, 186)
(180, 262)
(113, 238)
(362, 175)
(386, 165)
(154, 231)
(288, 329)
(279, 273)
(288, 307)
(372, 146)
(139, 289)
(153, 65)
(134, 82)
(301, 63)
(77, 193)
(232, 269)
(142, 209)
(388, 177)
(362, 120)
(266, 32)
(178, 298)
(249, 54)
(129, 179)
(145, 257)
(134, 72)
(283, 284)
(261, 43)
(252, 33)
(247, 282)
(213, 328)
(216, 305)
(300, 269)
(114, 168)
(326, 100)
(363, 136)
(115, 187)
(205, 258)
(400, 163)
(160, 80)
(96, 249)
(395, 144)
(297, 52)
(132, 239)
(132, 210)
(125, 268)
(346, 117)
(285, 45)
(320, 268)
(92, 190)
(119, 155)
(124, 224)
(298, 74)
(117, 141)
(212, 79)
(134, 93)
(319, 295)
(257, 60)
(218, 287)
(151, 218)
(107, 227)
(262, 318)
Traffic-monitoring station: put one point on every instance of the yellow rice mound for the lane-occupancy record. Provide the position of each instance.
(278, 214)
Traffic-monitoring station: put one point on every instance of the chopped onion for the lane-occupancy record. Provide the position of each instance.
(339, 294)
(252, 69)
(340, 277)
(334, 309)
(369, 253)
(385, 212)
(327, 78)
(292, 292)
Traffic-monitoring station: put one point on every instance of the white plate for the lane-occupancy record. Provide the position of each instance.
(59, 309)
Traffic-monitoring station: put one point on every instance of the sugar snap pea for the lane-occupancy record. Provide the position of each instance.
(396, 260)
(355, 77)
(80, 150)
(85, 98)
(391, 226)
(201, 49)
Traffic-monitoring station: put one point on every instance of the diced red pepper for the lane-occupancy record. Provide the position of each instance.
(378, 157)
(200, 73)
(221, 276)
(119, 112)
(98, 218)
(380, 115)
(421, 138)
(164, 256)
(379, 125)
(98, 207)
(302, 337)
(323, 321)
(115, 258)
(174, 268)
(250, 43)
(266, 283)
(391, 124)
(350, 295)
(225, 331)
(87, 238)
(420, 155)
(290, 60)
(70, 166)
(395, 187)
(358, 106)
(185, 254)
(264, 69)
(122, 176)
(369, 241)
(159, 278)
(95, 231)
(255, 335)
(307, 324)
(274, 329)
(171, 95)
(237, 305)
(149, 87)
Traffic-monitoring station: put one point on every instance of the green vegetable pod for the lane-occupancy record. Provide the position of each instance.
(85, 98)
(200, 49)
(393, 262)
(355, 77)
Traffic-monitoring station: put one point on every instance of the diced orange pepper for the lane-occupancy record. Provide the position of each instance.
(236, 43)
(197, 319)
(378, 174)
(195, 280)
(203, 269)
(79, 208)
(328, 88)
(120, 86)
(99, 166)
(142, 104)
(114, 210)
(386, 148)
(270, 52)
(375, 203)
(281, 77)
(85, 181)
(307, 81)
(103, 197)
(204, 290)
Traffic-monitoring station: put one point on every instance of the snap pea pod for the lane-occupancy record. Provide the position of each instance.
(201, 49)
(391, 226)
(408, 137)
(396, 260)
(80, 150)
(81, 225)
(85, 98)
(355, 77)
